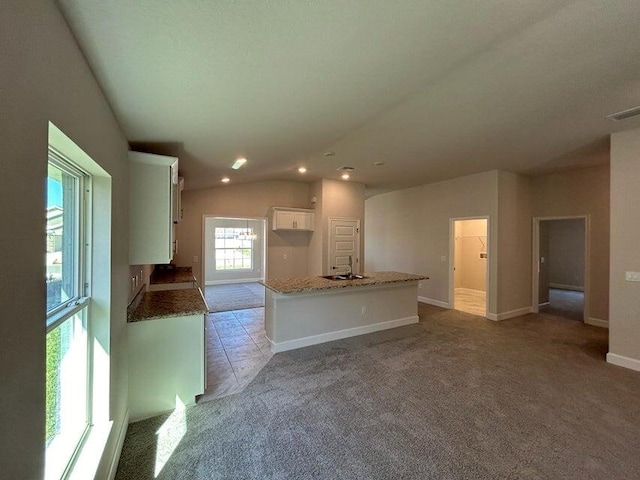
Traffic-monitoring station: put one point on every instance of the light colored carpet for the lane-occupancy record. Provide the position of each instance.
(235, 296)
(453, 397)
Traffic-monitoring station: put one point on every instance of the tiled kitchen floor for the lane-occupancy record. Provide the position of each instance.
(237, 349)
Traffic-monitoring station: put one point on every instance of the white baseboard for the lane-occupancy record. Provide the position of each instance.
(623, 361)
(436, 303)
(543, 304)
(237, 280)
(507, 315)
(561, 286)
(340, 334)
(116, 454)
(597, 322)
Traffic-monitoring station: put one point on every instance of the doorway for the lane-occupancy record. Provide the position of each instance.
(234, 262)
(344, 246)
(561, 265)
(470, 270)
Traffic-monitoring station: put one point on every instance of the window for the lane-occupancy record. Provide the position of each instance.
(68, 379)
(233, 249)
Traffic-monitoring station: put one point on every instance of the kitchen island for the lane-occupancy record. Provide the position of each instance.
(309, 310)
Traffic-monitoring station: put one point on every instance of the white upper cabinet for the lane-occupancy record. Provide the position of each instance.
(153, 183)
(292, 219)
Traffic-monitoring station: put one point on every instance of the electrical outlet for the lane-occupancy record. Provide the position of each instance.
(443, 258)
(364, 310)
(195, 259)
(419, 284)
(284, 256)
(632, 276)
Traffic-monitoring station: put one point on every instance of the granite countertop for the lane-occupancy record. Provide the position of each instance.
(167, 303)
(312, 284)
(172, 275)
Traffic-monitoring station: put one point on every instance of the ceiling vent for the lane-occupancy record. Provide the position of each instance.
(632, 112)
(346, 169)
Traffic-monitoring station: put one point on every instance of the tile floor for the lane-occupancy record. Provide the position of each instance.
(237, 349)
(470, 301)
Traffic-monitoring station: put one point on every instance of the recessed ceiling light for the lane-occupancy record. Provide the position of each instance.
(225, 180)
(238, 163)
(329, 154)
(345, 176)
(377, 164)
(302, 170)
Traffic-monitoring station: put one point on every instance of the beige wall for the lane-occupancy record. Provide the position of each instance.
(566, 253)
(471, 239)
(408, 230)
(246, 200)
(582, 192)
(336, 199)
(514, 242)
(43, 78)
(624, 321)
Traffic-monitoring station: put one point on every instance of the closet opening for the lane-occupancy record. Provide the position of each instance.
(470, 254)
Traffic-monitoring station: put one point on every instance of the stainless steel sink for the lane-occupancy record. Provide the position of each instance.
(344, 277)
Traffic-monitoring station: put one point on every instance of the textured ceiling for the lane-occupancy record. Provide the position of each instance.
(434, 89)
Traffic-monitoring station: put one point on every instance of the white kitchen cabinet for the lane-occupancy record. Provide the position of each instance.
(167, 364)
(292, 219)
(153, 180)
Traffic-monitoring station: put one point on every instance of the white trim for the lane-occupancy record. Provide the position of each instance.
(623, 361)
(596, 322)
(235, 280)
(436, 303)
(507, 315)
(118, 450)
(561, 286)
(340, 334)
(544, 304)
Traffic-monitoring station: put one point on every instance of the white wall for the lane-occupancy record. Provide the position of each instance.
(471, 239)
(408, 230)
(246, 200)
(624, 311)
(43, 78)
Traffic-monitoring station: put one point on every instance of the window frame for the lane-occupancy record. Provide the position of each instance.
(58, 315)
(236, 233)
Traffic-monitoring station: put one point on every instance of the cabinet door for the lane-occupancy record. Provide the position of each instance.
(284, 221)
(303, 221)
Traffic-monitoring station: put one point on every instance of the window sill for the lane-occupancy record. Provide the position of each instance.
(90, 454)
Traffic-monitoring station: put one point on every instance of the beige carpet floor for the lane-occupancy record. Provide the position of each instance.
(453, 397)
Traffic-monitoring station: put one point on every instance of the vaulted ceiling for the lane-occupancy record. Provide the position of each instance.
(434, 89)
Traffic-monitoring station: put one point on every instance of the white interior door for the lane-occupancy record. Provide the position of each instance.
(344, 242)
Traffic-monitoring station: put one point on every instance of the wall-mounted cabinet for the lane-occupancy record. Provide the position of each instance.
(153, 182)
(292, 219)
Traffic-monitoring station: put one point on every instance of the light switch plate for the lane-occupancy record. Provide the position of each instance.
(632, 276)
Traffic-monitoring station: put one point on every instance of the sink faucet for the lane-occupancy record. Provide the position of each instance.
(350, 265)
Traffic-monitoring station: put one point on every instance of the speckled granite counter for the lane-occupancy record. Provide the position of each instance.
(172, 275)
(311, 284)
(168, 303)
